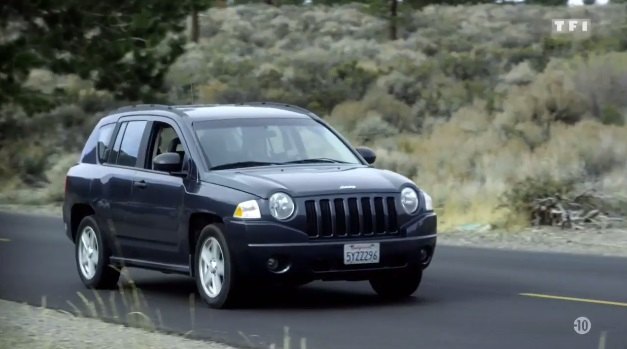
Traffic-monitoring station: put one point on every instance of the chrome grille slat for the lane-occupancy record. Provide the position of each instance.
(373, 215)
(366, 209)
(342, 223)
(353, 216)
(318, 217)
(360, 214)
(333, 218)
(379, 214)
(392, 219)
(326, 218)
(386, 212)
(312, 220)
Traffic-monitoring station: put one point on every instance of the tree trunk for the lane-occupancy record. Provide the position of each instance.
(195, 29)
(393, 16)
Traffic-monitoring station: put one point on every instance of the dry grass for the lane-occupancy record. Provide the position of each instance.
(467, 172)
(16, 192)
(128, 306)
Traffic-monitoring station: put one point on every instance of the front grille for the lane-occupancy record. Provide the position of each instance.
(350, 217)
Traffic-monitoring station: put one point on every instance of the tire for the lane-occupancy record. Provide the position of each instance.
(92, 257)
(214, 270)
(397, 285)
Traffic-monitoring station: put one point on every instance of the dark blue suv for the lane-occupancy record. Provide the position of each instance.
(232, 194)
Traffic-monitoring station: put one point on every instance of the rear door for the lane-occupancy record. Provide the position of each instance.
(124, 158)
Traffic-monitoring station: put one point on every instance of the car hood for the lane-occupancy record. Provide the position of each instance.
(299, 181)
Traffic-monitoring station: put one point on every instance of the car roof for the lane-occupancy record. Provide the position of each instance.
(242, 111)
(222, 111)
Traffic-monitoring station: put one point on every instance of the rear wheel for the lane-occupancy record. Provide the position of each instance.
(397, 285)
(92, 257)
(214, 270)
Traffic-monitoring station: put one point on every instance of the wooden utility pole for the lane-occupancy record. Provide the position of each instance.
(195, 27)
(393, 16)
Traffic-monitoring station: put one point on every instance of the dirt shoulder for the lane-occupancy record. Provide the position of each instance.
(41, 210)
(25, 327)
(602, 242)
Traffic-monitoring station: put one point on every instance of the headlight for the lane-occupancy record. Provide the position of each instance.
(409, 200)
(281, 206)
(428, 201)
(247, 209)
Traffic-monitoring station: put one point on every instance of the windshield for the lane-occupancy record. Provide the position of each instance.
(237, 143)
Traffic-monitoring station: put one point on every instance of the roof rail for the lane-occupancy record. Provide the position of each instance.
(194, 105)
(282, 105)
(143, 107)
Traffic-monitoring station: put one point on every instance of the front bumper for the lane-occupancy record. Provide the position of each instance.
(305, 259)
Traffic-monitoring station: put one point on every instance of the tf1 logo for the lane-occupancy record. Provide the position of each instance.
(559, 26)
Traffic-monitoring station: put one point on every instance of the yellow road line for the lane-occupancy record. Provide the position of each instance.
(4, 240)
(573, 299)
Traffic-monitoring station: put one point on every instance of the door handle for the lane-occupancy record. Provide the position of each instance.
(140, 184)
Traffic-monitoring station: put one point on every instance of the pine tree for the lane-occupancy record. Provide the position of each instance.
(124, 46)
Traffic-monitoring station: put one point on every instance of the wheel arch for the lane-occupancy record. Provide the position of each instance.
(77, 213)
(197, 221)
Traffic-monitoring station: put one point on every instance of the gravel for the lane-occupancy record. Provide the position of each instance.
(602, 242)
(24, 326)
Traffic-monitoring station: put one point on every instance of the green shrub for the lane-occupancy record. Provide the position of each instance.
(520, 197)
(610, 115)
(371, 128)
(400, 162)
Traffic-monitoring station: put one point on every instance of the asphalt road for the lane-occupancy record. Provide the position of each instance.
(470, 298)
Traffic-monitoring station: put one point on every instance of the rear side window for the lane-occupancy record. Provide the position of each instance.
(131, 142)
(116, 145)
(104, 141)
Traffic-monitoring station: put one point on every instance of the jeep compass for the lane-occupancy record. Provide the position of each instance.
(234, 194)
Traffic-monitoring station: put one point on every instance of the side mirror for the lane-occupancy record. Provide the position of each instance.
(367, 153)
(167, 162)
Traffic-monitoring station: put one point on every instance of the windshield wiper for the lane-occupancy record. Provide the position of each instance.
(315, 160)
(242, 164)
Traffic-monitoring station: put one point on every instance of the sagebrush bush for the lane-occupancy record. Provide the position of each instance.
(373, 127)
(519, 198)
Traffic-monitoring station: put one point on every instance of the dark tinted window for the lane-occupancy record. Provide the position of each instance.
(271, 140)
(104, 140)
(129, 149)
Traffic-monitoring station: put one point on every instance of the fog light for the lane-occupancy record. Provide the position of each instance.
(424, 255)
(273, 263)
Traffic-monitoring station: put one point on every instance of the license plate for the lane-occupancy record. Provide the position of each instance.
(361, 253)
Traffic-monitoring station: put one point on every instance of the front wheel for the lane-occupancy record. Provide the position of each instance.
(397, 285)
(214, 269)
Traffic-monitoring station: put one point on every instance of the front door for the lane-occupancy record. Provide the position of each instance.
(158, 200)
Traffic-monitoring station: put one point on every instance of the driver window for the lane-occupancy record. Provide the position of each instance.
(164, 140)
